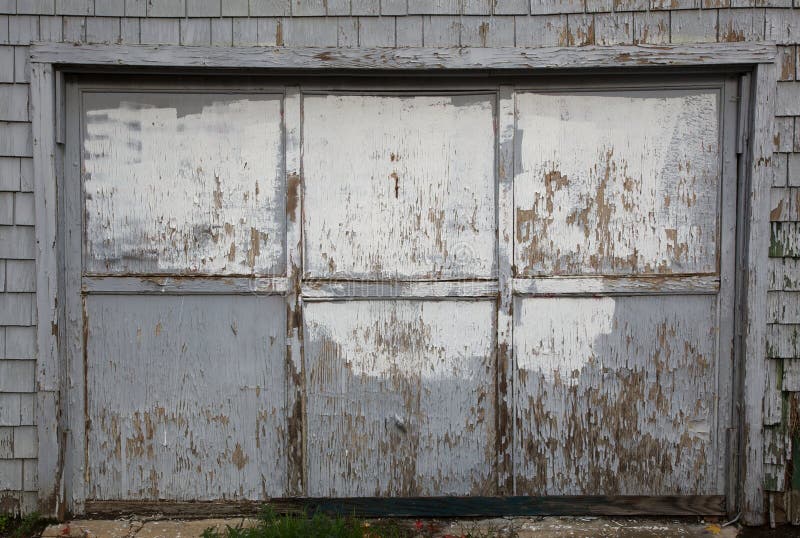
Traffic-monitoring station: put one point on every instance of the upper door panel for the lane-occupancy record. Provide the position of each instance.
(399, 186)
(617, 184)
(186, 183)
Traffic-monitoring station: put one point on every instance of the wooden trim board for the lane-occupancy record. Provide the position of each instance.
(410, 58)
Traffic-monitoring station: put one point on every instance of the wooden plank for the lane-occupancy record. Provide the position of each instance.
(400, 397)
(413, 58)
(326, 290)
(177, 285)
(589, 371)
(614, 285)
(73, 345)
(295, 368)
(724, 449)
(48, 374)
(212, 424)
(506, 121)
(399, 186)
(519, 506)
(617, 183)
(188, 183)
(754, 322)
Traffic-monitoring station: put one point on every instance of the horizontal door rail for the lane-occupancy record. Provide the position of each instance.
(183, 285)
(611, 285)
(349, 290)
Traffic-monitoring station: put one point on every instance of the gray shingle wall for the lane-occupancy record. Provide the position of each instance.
(371, 23)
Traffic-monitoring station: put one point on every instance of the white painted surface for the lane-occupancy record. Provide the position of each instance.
(399, 186)
(188, 183)
(612, 184)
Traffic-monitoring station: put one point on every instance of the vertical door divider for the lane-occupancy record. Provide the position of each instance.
(295, 375)
(505, 260)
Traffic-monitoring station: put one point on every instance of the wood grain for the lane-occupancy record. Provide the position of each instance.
(412, 58)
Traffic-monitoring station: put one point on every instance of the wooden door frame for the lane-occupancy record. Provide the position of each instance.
(50, 62)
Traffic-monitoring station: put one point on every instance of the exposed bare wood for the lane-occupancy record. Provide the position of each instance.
(307, 58)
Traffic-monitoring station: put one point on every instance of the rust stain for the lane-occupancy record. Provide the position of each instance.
(159, 327)
(279, 34)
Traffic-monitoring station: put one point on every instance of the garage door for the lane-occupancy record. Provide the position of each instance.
(428, 289)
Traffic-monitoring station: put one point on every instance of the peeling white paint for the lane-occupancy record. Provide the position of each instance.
(615, 396)
(610, 184)
(399, 186)
(400, 397)
(196, 191)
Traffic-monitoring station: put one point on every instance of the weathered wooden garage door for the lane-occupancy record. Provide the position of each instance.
(432, 289)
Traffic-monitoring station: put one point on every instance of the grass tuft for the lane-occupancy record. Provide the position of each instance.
(22, 527)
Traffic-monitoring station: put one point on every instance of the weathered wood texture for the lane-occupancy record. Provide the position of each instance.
(185, 397)
(183, 183)
(399, 186)
(474, 506)
(417, 58)
(616, 184)
(752, 352)
(48, 368)
(400, 398)
(615, 395)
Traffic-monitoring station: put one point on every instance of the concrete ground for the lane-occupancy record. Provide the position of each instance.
(549, 527)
